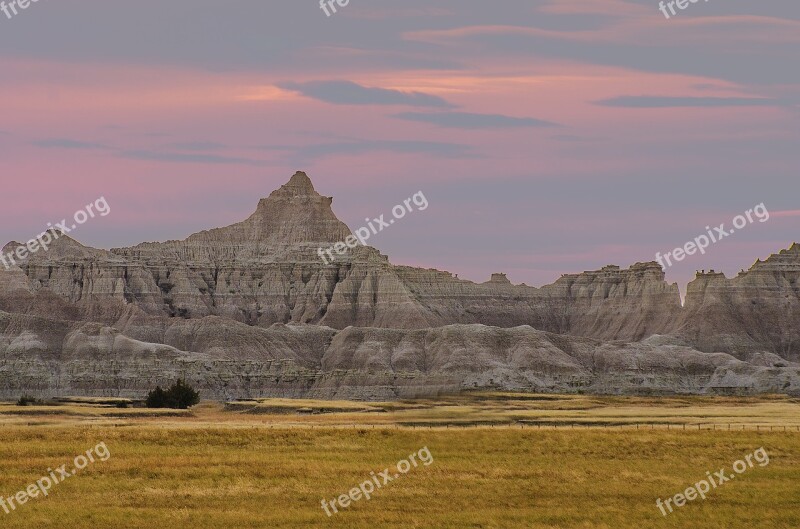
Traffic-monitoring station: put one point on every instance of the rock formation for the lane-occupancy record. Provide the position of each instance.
(252, 310)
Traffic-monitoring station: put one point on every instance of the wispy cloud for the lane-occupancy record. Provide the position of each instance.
(786, 213)
(432, 148)
(349, 93)
(467, 120)
(177, 157)
(198, 146)
(65, 143)
(675, 102)
(176, 153)
(574, 138)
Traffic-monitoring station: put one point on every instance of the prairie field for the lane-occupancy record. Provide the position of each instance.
(496, 461)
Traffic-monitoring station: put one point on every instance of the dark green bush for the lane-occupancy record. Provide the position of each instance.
(27, 400)
(179, 396)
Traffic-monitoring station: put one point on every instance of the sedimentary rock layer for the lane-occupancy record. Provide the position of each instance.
(210, 305)
(227, 361)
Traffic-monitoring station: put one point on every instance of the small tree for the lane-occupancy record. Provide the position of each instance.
(157, 398)
(182, 395)
(179, 396)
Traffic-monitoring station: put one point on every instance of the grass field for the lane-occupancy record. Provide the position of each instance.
(499, 461)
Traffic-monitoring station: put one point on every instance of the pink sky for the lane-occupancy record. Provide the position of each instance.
(549, 136)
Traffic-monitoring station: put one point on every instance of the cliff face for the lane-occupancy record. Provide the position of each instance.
(267, 270)
(757, 310)
(213, 300)
(227, 360)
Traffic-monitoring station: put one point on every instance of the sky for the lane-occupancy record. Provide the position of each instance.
(548, 136)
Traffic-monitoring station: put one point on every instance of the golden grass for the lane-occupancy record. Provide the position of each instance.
(504, 478)
(468, 410)
(216, 468)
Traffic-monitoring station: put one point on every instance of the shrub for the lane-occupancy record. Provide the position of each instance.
(27, 400)
(183, 395)
(179, 396)
(157, 398)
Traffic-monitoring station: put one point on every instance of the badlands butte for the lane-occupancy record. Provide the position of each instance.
(250, 310)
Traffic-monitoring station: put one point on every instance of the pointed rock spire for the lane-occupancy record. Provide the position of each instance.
(298, 185)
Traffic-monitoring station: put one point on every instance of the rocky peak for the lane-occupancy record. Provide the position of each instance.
(59, 243)
(11, 247)
(299, 185)
(301, 181)
(500, 278)
(292, 219)
(296, 214)
(785, 260)
(793, 251)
